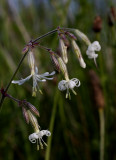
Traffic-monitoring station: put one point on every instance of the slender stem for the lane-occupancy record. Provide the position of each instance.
(7, 87)
(51, 32)
(16, 100)
(47, 156)
(15, 72)
(102, 133)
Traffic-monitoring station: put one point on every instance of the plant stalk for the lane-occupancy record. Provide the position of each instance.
(7, 87)
(102, 132)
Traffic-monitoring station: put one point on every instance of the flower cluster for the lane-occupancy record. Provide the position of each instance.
(60, 62)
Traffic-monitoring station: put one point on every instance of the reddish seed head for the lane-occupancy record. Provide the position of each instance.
(97, 24)
(97, 93)
(112, 16)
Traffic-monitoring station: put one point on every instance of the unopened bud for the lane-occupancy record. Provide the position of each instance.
(54, 61)
(63, 67)
(82, 36)
(78, 54)
(32, 108)
(33, 121)
(25, 115)
(72, 36)
(63, 49)
(59, 64)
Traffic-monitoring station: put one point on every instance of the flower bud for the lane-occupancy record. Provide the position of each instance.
(25, 115)
(31, 108)
(72, 36)
(78, 54)
(63, 67)
(33, 121)
(82, 36)
(63, 49)
(54, 61)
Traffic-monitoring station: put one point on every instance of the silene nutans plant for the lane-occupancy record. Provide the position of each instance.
(68, 84)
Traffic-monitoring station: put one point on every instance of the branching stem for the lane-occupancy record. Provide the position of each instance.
(7, 87)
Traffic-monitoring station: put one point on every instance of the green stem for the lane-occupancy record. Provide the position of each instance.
(102, 133)
(51, 32)
(47, 156)
(6, 89)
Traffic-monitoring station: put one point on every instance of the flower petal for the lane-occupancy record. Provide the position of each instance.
(62, 85)
(20, 82)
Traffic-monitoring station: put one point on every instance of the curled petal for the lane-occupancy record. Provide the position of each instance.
(76, 82)
(61, 85)
(71, 84)
(33, 137)
(44, 132)
(48, 74)
(96, 46)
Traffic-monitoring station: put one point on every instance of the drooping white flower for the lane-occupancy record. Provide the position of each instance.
(95, 46)
(37, 137)
(36, 78)
(68, 84)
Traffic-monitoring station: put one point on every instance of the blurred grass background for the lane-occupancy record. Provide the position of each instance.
(76, 128)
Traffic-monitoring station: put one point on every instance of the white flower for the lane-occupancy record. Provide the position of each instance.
(69, 84)
(95, 46)
(37, 137)
(36, 77)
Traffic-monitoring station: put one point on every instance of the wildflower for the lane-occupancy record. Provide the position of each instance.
(68, 84)
(78, 54)
(95, 46)
(37, 137)
(36, 77)
(92, 47)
